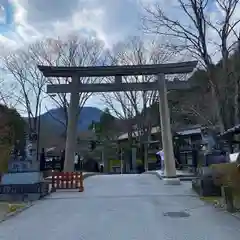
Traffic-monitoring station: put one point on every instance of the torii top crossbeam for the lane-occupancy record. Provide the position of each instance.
(117, 71)
(124, 70)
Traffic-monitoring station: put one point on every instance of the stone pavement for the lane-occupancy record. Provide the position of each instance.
(129, 207)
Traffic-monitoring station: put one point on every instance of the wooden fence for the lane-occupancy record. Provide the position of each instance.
(67, 180)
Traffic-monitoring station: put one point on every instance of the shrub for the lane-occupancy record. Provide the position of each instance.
(5, 151)
(12, 128)
(226, 174)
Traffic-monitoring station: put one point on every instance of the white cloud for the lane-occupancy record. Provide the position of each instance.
(108, 20)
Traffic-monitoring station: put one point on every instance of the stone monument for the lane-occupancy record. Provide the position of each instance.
(23, 181)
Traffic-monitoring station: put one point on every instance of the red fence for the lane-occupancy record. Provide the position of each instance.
(67, 180)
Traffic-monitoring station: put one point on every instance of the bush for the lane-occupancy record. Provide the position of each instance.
(12, 128)
(5, 152)
(226, 174)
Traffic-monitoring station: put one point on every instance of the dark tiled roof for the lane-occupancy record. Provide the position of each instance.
(233, 130)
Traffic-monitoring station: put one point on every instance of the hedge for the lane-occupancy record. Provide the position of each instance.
(5, 151)
(227, 174)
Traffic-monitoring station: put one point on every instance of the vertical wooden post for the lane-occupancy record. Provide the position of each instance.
(72, 179)
(58, 179)
(81, 187)
(229, 201)
(53, 182)
(67, 179)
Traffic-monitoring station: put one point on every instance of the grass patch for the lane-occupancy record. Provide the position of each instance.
(210, 199)
(13, 207)
(6, 208)
(214, 200)
(219, 201)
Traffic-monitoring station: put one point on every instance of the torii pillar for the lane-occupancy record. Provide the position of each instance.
(170, 176)
(73, 113)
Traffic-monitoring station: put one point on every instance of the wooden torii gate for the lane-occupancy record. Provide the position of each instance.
(75, 86)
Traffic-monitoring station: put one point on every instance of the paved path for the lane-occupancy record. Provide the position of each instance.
(118, 207)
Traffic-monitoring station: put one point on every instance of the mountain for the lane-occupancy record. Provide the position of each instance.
(87, 115)
(52, 121)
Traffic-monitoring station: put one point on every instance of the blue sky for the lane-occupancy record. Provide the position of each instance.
(7, 16)
(109, 20)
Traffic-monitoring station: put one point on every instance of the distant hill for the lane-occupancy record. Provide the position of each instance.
(52, 130)
(87, 115)
(51, 120)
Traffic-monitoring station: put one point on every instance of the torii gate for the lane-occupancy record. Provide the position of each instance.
(75, 87)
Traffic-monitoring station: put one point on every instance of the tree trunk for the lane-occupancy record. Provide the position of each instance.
(216, 103)
(236, 102)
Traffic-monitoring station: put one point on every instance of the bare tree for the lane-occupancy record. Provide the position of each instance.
(235, 64)
(132, 105)
(72, 51)
(5, 97)
(202, 36)
(186, 108)
(28, 82)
